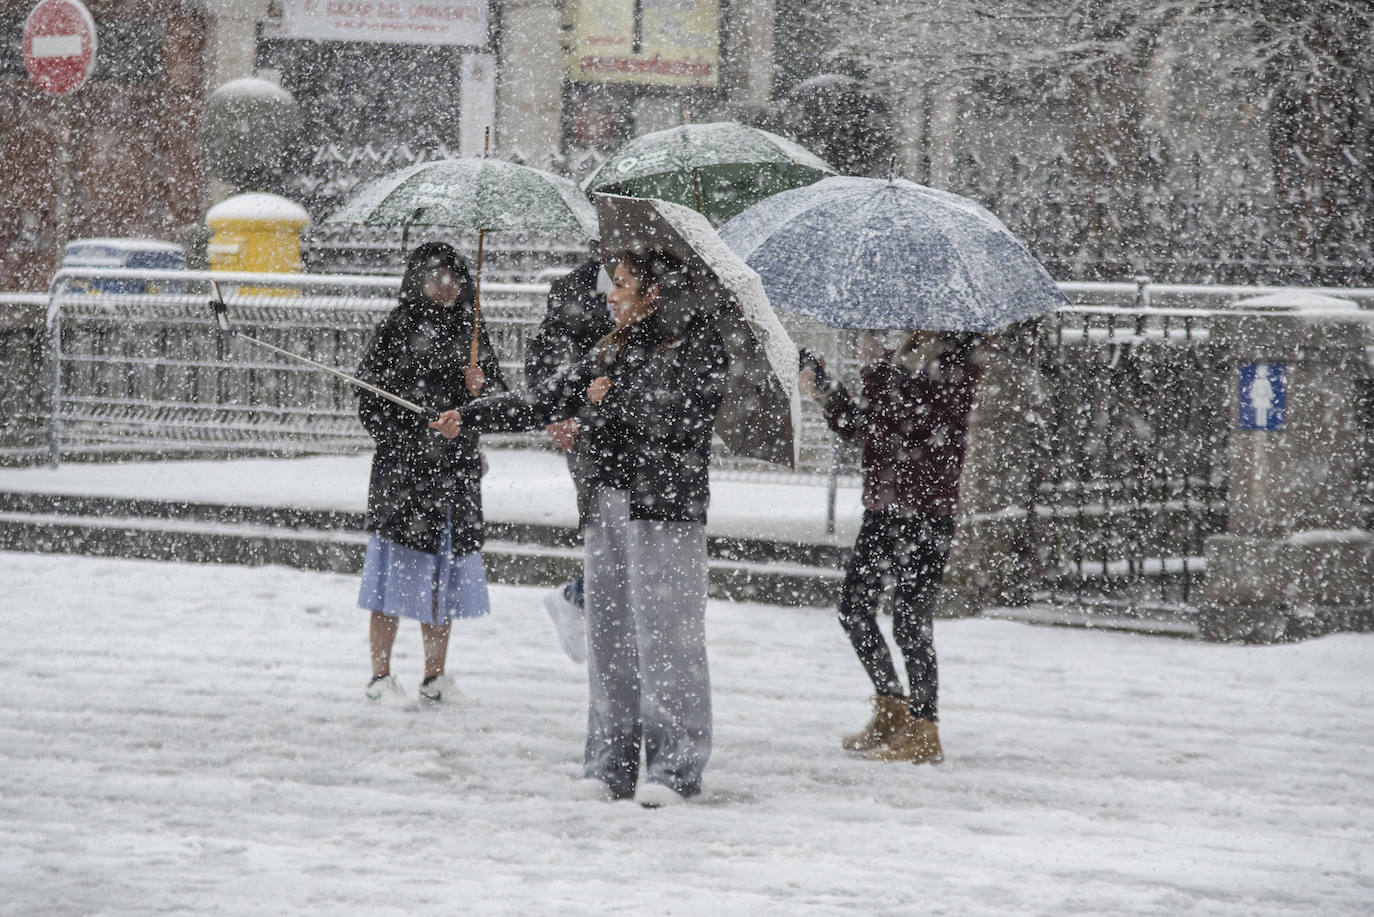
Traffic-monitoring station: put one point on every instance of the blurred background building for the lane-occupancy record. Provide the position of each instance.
(1226, 141)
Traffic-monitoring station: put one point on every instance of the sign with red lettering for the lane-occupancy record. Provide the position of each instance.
(59, 45)
(650, 42)
(421, 22)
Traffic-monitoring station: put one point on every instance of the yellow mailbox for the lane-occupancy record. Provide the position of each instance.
(256, 233)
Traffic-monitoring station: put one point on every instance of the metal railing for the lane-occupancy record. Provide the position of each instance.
(1133, 422)
(1127, 479)
(137, 365)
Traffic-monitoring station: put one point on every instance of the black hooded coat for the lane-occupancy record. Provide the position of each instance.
(418, 352)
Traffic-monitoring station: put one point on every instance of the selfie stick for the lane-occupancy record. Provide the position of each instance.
(222, 320)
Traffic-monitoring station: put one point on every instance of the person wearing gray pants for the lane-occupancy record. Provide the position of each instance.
(646, 398)
(646, 640)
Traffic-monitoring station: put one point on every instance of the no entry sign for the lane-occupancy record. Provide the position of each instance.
(59, 45)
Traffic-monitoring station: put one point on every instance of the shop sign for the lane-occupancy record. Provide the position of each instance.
(650, 42)
(419, 22)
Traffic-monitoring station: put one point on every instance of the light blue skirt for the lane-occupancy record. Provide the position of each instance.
(405, 583)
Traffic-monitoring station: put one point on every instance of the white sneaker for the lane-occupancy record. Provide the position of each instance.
(570, 621)
(442, 690)
(657, 796)
(592, 790)
(385, 691)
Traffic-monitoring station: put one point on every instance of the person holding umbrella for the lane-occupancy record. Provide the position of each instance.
(424, 502)
(646, 399)
(858, 253)
(912, 419)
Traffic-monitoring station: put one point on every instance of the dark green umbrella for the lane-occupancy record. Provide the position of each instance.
(717, 169)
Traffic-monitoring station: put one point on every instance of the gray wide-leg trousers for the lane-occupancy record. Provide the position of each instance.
(646, 650)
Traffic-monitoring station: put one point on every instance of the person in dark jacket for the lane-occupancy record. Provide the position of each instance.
(646, 399)
(912, 419)
(424, 502)
(577, 317)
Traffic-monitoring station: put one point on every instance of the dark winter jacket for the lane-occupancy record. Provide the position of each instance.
(651, 434)
(418, 352)
(914, 427)
(577, 318)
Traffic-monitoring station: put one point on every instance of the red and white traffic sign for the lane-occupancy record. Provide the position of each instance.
(59, 45)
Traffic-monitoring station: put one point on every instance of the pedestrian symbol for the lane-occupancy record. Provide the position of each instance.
(1263, 401)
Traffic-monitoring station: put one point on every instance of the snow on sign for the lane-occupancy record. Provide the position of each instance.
(59, 45)
(1263, 396)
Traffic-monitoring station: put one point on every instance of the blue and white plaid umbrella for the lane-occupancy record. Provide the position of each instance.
(880, 253)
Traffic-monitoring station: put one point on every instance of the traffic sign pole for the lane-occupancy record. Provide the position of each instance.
(59, 52)
(64, 176)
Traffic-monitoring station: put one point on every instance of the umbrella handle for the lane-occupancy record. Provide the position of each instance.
(477, 300)
(477, 285)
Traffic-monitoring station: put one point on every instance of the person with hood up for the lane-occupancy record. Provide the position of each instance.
(646, 398)
(912, 419)
(424, 500)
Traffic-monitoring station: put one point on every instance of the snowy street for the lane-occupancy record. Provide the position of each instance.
(193, 739)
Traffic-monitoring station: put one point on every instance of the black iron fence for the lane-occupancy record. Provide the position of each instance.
(1130, 475)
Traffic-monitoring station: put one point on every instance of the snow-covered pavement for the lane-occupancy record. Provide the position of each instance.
(192, 740)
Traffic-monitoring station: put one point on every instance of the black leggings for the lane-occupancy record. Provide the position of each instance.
(907, 550)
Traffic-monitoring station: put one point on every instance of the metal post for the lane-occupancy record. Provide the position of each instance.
(63, 230)
(1142, 291)
(64, 176)
(54, 326)
(832, 484)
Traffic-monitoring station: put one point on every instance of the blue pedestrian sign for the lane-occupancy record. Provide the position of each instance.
(1263, 396)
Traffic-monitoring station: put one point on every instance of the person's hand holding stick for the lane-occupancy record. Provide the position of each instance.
(449, 424)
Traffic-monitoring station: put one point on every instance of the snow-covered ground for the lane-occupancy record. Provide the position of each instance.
(183, 739)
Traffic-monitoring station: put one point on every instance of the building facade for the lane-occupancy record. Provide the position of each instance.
(132, 142)
(1216, 143)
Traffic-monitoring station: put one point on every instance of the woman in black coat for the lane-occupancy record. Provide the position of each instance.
(424, 501)
(646, 399)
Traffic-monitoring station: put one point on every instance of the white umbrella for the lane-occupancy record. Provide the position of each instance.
(877, 253)
(761, 412)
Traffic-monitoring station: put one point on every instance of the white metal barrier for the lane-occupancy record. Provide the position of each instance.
(137, 365)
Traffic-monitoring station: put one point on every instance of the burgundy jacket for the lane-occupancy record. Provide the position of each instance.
(914, 430)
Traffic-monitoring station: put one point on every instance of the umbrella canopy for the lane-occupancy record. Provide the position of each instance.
(487, 195)
(880, 253)
(761, 412)
(725, 165)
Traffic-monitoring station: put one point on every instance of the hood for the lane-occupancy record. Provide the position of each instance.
(424, 259)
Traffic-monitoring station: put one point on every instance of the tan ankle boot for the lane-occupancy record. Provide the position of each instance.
(889, 715)
(918, 743)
